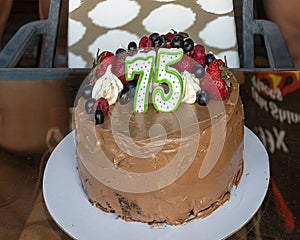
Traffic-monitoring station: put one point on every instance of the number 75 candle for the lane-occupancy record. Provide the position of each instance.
(156, 66)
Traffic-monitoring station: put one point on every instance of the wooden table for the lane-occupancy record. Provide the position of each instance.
(22, 162)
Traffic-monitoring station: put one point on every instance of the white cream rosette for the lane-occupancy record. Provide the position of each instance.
(107, 86)
(191, 85)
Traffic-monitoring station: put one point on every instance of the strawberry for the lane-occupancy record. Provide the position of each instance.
(217, 68)
(216, 80)
(119, 67)
(104, 59)
(145, 43)
(199, 54)
(101, 104)
(186, 63)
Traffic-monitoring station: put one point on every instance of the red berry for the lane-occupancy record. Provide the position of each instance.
(119, 67)
(216, 80)
(170, 36)
(104, 59)
(199, 54)
(215, 66)
(101, 104)
(216, 88)
(168, 46)
(199, 48)
(186, 63)
(145, 43)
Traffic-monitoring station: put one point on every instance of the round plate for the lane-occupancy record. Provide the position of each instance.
(70, 208)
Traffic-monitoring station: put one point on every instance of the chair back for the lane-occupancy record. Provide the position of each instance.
(277, 51)
(15, 48)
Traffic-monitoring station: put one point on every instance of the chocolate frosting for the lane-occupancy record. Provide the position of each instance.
(161, 167)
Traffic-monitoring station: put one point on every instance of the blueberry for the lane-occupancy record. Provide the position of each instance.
(199, 71)
(132, 92)
(164, 39)
(157, 42)
(87, 91)
(202, 97)
(131, 84)
(132, 46)
(124, 96)
(99, 117)
(177, 41)
(209, 58)
(89, 104)
(153, 36)
(120, 51)
(188, 45)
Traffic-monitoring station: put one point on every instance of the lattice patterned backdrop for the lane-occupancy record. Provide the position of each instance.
(106, 24)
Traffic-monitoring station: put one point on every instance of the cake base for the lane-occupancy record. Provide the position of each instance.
(191, 217)
(81, 220)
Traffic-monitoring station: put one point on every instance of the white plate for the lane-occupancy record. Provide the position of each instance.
(70, 208)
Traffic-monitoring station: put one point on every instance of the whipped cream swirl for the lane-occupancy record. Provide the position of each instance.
(107, 86)
(191, 85)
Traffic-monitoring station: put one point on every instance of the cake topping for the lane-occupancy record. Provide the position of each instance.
(170, 68)
(185, 64)
(99, 117)
(145, 43)
(216, 81)
(87, 91)
(191, 85)
(104, 59)
(89, 105)
(199, 54)
(202, 97)
(107, 86)
(101, 104)
(209, 58)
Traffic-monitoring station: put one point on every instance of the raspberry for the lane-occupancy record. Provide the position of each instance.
(101, 104)
(199, 48)
(169, 36)
(199, 54)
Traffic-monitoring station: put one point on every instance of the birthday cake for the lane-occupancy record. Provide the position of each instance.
(159, 131)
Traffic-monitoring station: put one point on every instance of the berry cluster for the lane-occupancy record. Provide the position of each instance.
(212, 72)
(214, 77)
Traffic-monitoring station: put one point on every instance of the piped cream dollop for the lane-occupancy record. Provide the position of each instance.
(107, 86)
(191, 85)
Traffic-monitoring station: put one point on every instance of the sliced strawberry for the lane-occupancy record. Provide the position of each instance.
(119, 67)
(101, 104)
(186, 63)
(104, 59)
